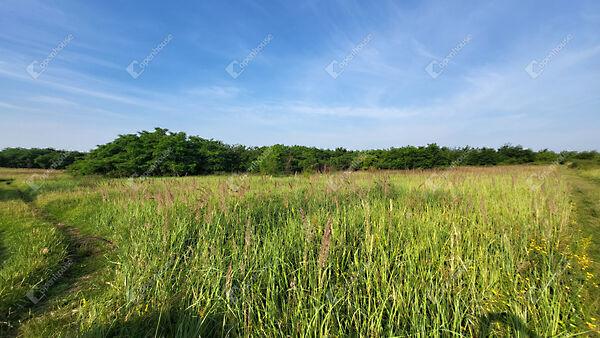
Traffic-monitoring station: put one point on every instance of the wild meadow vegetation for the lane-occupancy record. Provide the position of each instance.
(467, 251)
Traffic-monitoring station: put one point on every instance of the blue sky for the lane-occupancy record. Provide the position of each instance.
(386, 93)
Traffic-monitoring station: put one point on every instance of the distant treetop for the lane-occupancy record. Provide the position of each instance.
(164, 153)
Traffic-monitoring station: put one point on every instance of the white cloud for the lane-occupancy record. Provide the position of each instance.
(218, 92)
(53, 100)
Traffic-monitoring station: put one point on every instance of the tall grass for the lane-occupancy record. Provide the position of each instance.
(30, 250)
(394, 254)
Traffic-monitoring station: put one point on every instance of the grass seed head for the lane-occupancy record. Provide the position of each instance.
(325, 243)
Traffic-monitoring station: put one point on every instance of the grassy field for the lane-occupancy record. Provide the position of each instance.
(467, 251)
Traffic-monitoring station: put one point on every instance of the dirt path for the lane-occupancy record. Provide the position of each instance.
(76, 268)
(586, 196)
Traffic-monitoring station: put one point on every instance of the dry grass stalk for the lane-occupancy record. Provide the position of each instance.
(325, 244)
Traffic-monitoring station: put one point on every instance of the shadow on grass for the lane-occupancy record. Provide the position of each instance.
(57, 286)
(181, 323)
(81, 261)
(507, 319)
(18, 306)
(9, 194)
(3, 254)
(167, 323)
(27, 195)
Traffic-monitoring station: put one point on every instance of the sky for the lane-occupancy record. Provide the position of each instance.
(354, 74)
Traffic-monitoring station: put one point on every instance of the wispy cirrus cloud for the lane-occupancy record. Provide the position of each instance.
(384, 96)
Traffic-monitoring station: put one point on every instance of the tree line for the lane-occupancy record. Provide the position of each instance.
(164, 153)
(46, 158)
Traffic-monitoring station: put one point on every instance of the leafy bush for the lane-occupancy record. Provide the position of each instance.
(164, 153)
(47, 158)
